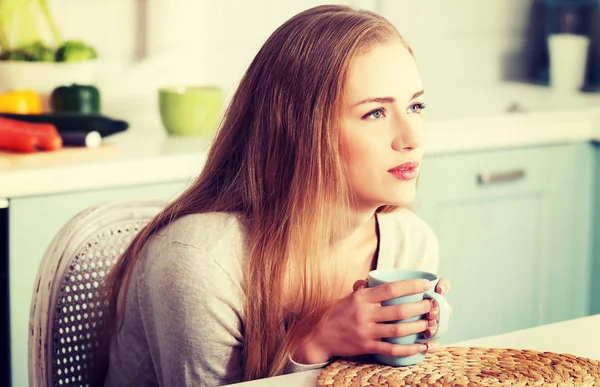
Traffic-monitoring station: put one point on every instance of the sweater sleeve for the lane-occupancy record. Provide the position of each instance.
(293, 366)
(190, 308)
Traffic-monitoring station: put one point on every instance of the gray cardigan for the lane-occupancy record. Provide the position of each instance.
(184, 316)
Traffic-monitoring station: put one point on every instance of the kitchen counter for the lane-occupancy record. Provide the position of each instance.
(579, 337)
(145, 155)
(133, 159)
(512, 130)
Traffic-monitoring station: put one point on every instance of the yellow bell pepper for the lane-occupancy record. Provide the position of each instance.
(20, 102)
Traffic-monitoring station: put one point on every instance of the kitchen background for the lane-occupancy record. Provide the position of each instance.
(510, 183)
(460, 45)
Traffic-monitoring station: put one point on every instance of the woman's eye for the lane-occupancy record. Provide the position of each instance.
(416, 108)
(375, 114)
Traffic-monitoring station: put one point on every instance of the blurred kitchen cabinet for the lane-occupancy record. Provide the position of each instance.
(595, 276)
(33, 222)
(514, 228)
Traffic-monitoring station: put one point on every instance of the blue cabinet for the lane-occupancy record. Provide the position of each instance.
(514, 229)
(595, 285)
(33, 222)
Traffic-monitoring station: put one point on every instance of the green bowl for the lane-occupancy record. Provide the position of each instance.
(190, 111)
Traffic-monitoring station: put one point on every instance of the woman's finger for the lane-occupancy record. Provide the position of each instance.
(433, 346)
(443, 286)
(432, 328)
(402, 311)
(359, 284)
(400, 329)
(434, 314)
(385, 348)
(395, 289)
(435, 311)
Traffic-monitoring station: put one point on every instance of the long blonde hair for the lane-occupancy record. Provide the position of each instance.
(276, 159)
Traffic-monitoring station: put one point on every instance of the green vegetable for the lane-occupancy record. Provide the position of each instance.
(13, 55)
(37, 52)
(83, 99)
(75, 51)
(28, 33)
(26, 22)
(70, 51)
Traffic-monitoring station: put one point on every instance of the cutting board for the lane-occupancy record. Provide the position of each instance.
(65, 155)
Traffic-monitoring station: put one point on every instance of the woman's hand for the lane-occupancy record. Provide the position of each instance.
(355, 324)
(442, 287)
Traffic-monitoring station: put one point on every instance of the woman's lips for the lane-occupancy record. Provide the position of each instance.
(406, 171)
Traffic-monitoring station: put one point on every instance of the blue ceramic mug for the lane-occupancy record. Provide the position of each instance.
(383, 276)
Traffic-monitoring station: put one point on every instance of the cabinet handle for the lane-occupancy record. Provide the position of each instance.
(500, 177)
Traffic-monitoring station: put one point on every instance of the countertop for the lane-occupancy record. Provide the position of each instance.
(578, 337)
(135, 159)
(466, 122)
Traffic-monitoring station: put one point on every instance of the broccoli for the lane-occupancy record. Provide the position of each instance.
(10, 55)
(13, 55)
(74, 51)
(35, 52)
(69, 51)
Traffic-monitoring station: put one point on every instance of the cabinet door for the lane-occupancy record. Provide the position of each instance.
(568, 229)
(33, 222)
(595, 271)
(507, 226)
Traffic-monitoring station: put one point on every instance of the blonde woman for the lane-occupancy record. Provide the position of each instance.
(256, 269)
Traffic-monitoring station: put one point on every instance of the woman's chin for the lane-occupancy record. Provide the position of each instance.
(401, 200)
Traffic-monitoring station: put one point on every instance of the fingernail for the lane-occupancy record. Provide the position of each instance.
(443, 289)
(426, 285)
(433, 304)
(431, 323)
(422, 348)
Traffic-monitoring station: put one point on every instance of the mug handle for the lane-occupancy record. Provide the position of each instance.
(444, 315)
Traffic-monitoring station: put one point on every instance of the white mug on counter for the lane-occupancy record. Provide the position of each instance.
(568, 59)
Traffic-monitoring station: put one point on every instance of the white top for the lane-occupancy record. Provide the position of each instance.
(578, 337)
(184, 315)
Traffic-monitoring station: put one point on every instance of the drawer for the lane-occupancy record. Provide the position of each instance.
(488, 174)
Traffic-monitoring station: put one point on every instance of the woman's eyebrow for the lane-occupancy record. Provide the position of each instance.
(386, 99)
(417, 94)
(376, 99)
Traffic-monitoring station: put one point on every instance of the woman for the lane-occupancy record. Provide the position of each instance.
(256, 269)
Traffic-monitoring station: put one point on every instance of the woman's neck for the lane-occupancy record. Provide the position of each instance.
(356, 254)
(362, 224)
(361, 238)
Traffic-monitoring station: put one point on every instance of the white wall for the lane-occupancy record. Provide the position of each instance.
(463, 41)
(148, 43)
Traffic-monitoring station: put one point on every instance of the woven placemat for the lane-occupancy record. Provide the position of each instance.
(468, 366)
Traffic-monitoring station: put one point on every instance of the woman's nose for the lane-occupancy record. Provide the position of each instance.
(407, 134)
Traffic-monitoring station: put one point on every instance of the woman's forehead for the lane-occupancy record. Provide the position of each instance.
(387, 70)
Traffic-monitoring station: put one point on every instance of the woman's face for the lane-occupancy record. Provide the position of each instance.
(381, 126)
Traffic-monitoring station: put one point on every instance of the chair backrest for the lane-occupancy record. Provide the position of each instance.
(65, 321)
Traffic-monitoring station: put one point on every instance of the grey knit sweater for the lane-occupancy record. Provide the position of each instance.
(184, 315)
